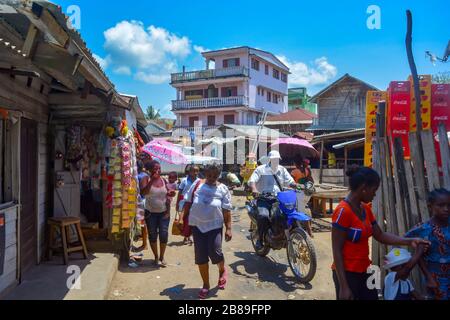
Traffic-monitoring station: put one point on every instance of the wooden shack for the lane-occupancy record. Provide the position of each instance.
(49, 80)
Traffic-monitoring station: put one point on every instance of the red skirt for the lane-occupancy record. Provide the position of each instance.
(187, 231)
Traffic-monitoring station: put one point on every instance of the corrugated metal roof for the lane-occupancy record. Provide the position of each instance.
(345, 76)
(337, 135)
(349, 143)
(252, 131)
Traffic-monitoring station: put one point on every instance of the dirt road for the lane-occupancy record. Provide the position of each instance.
(250, 277)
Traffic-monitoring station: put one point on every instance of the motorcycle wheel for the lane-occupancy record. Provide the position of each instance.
(262, 252)
(301, 255)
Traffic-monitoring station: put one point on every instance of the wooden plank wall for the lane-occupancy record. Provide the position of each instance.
(29, 100)
(343, 105)
(9, 276)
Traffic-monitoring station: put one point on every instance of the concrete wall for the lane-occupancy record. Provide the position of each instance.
(259, 78)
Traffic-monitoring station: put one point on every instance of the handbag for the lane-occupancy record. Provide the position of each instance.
(177, 226)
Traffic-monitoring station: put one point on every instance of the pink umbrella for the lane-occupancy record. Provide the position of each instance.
(165, 151)
(290, 147)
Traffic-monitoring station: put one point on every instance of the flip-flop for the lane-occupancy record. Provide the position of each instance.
(163, 263)
(203, 294)
(223, 280)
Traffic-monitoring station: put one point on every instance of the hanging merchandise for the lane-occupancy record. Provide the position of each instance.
(122, 170)
(73, 136)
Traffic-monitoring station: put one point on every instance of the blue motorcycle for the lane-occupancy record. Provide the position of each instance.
(285, 231)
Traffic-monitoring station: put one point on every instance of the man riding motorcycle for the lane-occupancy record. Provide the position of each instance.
(268, 178)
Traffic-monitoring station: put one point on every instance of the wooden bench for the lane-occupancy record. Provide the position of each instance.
(63, 225)
(321, 199)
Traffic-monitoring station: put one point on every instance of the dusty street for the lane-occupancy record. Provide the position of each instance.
(250, 277)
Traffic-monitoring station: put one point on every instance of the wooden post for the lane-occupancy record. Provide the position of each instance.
(418, 169)
(377, 209)
(388, 192)
(345, 166)
(400, 186)
(415, 216)
(445, 155)
(322, 147)
(429, 154)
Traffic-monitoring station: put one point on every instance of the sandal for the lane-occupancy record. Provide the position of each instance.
(163, 263)
(203, 294)
(223, 280)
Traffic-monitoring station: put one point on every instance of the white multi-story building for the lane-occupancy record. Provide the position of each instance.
(243, 84)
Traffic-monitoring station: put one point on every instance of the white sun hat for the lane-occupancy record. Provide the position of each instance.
(396, 257)
(274, 155)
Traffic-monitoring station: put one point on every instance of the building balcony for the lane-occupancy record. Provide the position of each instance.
(209, 103)
(181, 130)
(209, 74)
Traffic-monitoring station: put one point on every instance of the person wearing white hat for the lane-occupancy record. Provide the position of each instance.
(268, 178)
(397, 286)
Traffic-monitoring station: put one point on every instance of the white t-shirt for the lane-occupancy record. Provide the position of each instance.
(183, 188)
(265, 181)
(391, 286)
(207, 204)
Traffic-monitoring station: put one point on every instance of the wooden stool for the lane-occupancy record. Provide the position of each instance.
(63, 224)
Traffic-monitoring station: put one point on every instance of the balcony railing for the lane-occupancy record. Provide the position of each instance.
(210, 103)
(209, 74)
(199, 130)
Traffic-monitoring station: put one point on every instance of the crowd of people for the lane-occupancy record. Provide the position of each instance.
(205, 204)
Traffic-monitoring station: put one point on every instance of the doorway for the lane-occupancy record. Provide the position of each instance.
(28, 192)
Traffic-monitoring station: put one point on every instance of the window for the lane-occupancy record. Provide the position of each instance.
(255, 64)
(283, 77)
(228, 119)
(275, 98)
(7, 147)
(267, 69)
(192, 121)
(229, 63)
(276, 74)
(211, 121)
(269, 96)
(193, 94)
(259, 91)
(229, 92)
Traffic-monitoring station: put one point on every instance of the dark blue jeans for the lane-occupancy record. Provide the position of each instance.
(158, 226)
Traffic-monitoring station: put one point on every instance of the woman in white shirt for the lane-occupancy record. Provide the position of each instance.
(208, 204)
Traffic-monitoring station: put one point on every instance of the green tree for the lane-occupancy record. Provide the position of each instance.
(442, 77)
(152, 113)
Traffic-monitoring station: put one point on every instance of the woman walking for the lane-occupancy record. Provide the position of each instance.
(208, 204)
(157, 210)
(353, 225)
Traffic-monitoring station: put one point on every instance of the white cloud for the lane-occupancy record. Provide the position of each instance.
(320, 72)
(150, 54)
(123, 70)
(157, 75)
(104, 62)
(200, 49)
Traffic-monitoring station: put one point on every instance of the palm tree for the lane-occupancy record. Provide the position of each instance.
(152, 113)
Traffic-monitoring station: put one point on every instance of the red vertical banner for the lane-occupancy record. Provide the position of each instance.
(440, 112)
(399, 112)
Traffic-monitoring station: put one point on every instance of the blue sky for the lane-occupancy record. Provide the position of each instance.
(141, 42)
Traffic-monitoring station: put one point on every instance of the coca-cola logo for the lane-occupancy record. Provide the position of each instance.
(399, 132)
(400, 102)
(441, 104)
(399, 118)
(442, 118)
